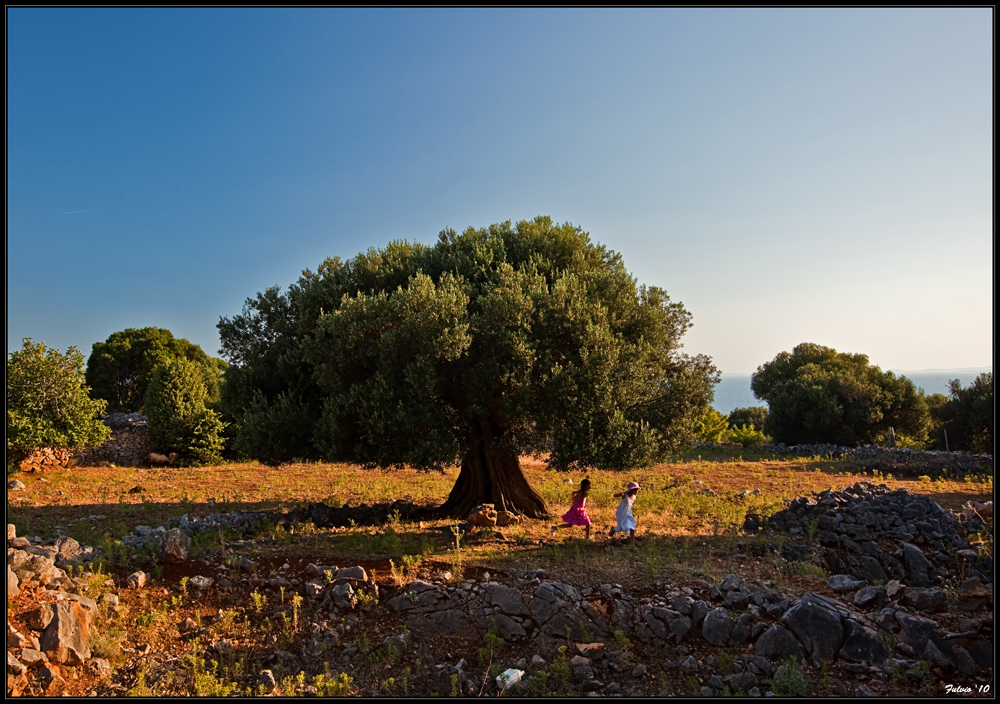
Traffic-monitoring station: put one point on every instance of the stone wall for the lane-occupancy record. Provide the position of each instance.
(128, 444)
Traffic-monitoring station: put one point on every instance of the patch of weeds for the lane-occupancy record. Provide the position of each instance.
(492, 643)
(788, 679)
(725, 662)
(107, 645)
(291, 686)
(141, 689)
(803, 569)
(560, 667)
(259, 600)
(330, 686)
(693, 685)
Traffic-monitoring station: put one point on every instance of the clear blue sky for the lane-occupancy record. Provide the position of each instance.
(820, 175)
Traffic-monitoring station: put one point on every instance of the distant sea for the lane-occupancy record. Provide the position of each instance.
(733, 391)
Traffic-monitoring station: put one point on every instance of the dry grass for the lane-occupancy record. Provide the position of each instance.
(685, 536)
(684, 522)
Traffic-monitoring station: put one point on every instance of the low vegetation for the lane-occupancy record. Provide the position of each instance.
(690, 514)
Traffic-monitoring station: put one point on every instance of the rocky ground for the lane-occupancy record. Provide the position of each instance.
(908, 611)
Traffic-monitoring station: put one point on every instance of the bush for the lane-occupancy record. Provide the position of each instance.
(48, 404)
(788, 680)
(753, 416)
(712, 427)
(179, 421)
(747, 436)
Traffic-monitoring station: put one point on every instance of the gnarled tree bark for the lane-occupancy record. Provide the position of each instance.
(492, 474)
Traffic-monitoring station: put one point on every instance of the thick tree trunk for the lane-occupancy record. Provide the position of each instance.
(492, 475)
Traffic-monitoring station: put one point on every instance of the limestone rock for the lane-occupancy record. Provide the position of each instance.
(817, 625)
(176, 546)
(718, 627)
(483, 516)
(862, 644)
(13, 583)
(845, 583)
(778, 643)
(200, 582)
(66, 639)
(357, 573)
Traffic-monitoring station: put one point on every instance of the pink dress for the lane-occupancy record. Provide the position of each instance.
(577, 514)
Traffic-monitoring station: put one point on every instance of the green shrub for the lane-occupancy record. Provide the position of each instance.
(48, 404)
(712, 427)
(179, 421)
(753, 416)
(788, 680)
(120, 369)
(747, 436)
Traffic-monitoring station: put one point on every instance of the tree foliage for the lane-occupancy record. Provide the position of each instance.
(968, 415)
(817, 395)
(48, 404)
(496, 342)
(753, 416)
(712, 426)
(120, 368)
(179, 420)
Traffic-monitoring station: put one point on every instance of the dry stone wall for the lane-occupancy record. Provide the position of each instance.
(128, 444)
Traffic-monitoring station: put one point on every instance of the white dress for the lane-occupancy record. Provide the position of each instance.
(626, 521)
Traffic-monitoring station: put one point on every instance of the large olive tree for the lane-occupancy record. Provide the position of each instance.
(490, 344)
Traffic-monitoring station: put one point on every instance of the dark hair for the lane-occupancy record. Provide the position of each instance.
(585, 485)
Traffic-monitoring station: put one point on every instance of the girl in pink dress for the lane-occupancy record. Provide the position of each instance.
(577, 514)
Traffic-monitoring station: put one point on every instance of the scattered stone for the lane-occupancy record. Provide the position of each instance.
(266, 681)
(844, 583)
(200, 582)
(136, 580)
(778, 643)
(718, 627)
(15, 666)
(66, 639)
(176, 545)
(871, 597)
(13, 583)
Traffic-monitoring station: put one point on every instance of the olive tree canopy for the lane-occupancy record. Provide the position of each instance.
(498, 342)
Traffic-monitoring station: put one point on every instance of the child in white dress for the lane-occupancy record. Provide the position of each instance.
(626, 521)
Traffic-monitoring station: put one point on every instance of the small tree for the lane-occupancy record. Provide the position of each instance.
(48, 404)
(968, 416)
(179, 421)
(712, 427)
(817, 395)
(753, 416)
(120, 368)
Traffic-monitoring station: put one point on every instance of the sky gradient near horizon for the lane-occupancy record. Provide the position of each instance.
(807, 175)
